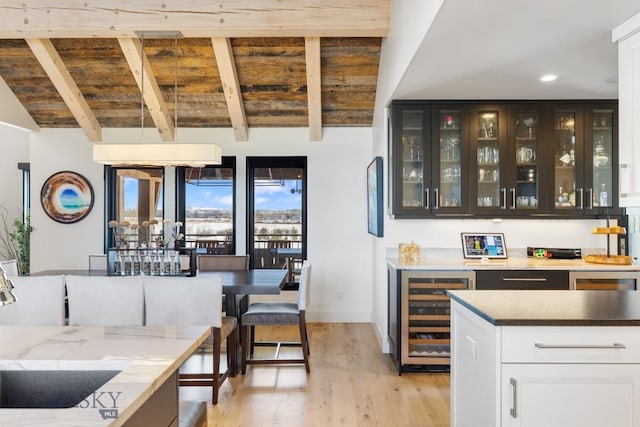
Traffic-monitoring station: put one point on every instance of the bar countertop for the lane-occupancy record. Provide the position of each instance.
(553, 308)
(145, 355)
(513, 263)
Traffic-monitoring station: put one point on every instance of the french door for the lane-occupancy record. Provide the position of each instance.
(276, 211)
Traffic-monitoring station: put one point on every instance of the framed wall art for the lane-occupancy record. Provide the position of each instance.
(374, 197)
(66, 197)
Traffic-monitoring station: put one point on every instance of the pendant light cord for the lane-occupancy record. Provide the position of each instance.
(175, 92)
(142, 89)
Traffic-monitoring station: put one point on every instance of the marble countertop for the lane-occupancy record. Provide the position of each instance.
(520, 263)
(553, 308)
(146, 355)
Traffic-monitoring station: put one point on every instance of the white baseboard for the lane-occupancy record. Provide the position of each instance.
(339, 316)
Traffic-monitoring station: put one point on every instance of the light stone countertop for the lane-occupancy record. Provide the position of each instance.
(506, 264)
(147, 356)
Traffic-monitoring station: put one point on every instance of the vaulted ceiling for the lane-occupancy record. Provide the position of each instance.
(240, 64)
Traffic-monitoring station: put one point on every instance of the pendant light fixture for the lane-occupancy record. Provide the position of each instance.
(158, 154)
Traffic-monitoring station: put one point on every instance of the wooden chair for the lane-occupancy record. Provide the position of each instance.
(185, 301)
(223, 262)
(278, 313)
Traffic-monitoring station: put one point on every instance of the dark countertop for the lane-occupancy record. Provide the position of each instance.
(553, 308)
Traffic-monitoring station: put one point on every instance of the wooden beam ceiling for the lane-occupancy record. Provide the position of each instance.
(231, 86)
(54, 67)
(197, 18)
(314, 87)
(260, 74)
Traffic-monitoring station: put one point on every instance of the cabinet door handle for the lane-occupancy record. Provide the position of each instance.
(513, 198)
(514, 396)
(436, 198)
(503, 191)
(427, 202)
(614, 346)
(589, 204)
(524, 279)
(581, 195)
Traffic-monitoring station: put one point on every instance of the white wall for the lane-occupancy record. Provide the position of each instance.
(338, 243)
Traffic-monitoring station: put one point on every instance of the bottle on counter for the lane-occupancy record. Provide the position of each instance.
(128, 265)
(147, 264)
(117, 265)
(166, 263)
(137, 265)
(157, 265)
(177, 263)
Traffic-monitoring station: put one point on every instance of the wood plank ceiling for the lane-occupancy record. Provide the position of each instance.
(305, 75)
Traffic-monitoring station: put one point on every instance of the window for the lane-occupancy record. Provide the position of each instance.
(135, 198)
(206, 206)
(276, 206)
(26, 191)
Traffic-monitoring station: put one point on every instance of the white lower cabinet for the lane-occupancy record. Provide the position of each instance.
(562, 395)
(543, 376)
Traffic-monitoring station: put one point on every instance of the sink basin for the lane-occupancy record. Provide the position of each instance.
(49, 388)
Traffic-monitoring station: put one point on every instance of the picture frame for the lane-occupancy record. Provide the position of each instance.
(484, 245)
(374, 197)
(67, 197)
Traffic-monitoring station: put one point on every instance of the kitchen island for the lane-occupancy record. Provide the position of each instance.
(142, 360)
(545, 358)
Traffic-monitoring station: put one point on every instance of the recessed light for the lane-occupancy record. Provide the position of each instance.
(548, 78)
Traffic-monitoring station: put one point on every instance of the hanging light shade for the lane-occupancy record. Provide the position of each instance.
(162, 154)
(6, 290)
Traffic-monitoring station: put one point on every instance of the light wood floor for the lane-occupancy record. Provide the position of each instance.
(351, 384)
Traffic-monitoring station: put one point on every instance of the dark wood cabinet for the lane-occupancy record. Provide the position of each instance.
(522, 279)
(503, 159)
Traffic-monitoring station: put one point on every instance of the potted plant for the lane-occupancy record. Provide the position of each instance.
(15, 240)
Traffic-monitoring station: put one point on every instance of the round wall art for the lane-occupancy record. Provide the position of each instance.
(66, 197)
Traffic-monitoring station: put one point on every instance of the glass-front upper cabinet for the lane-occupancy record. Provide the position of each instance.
(525, 143)
(411, 136)
(600, 156)
(450, 159)
(568, 183)
(488, 136)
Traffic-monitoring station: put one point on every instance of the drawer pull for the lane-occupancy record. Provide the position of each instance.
(608, 346)
(524, 279)
(514, 398)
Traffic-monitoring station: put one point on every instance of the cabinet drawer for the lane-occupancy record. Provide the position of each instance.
(522, 279)
(570, 344)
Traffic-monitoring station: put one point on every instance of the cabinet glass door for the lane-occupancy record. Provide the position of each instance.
(414, 137)
(564, 160)
(488, 184)
(449, 192)
(525, 193)
(602, 152)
